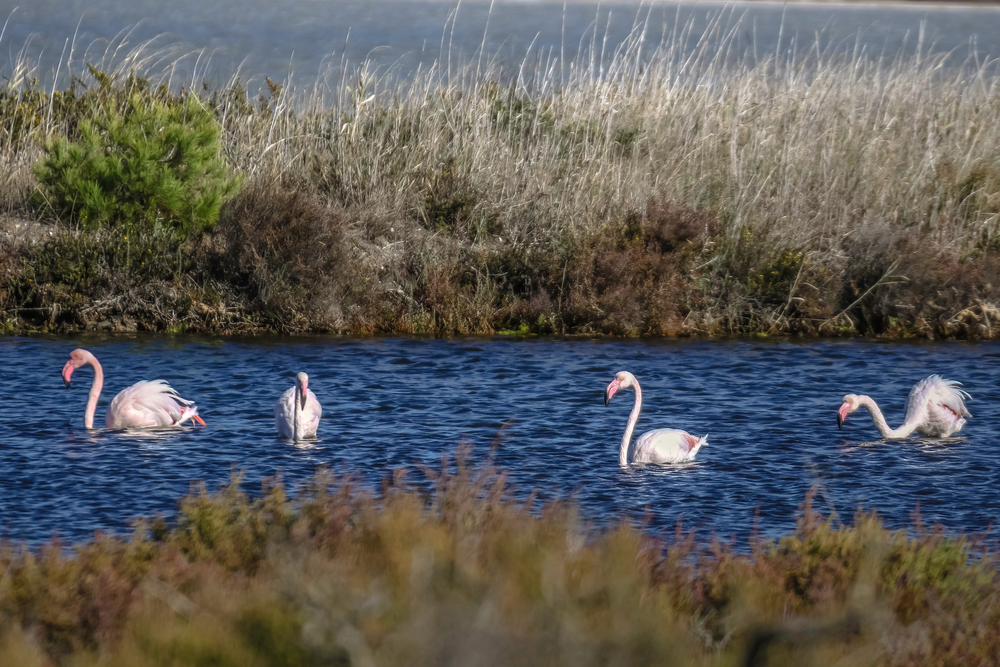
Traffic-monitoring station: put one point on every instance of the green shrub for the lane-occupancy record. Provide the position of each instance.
(149, 166)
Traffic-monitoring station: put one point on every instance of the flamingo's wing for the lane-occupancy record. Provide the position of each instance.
(284, 413)
(310, 416)
(666, 445)
(148, 405)
(939, 405)
(934, 389)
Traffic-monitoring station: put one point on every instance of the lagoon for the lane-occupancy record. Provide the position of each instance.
(769, 408)
(305, 41)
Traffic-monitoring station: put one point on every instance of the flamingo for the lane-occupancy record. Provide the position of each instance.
(664, 445)
(143, 405)
(297, 412)
(936, 407)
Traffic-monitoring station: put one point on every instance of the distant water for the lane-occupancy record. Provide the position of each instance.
(769, 409)
(310, 38)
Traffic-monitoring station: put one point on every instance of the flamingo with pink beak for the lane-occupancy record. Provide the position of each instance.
(665, 445)
(297, 412)
(935, 408)
(143, 405)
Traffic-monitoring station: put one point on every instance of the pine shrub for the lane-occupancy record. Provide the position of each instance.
(151, 165)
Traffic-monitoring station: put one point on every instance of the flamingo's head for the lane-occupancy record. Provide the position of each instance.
(302, 384)
(77, 358)
(623, 380)
(850, 405)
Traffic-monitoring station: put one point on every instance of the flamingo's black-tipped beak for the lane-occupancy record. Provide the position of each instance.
(842, 413)
(610, 391)
(67, 382)
(303, 393)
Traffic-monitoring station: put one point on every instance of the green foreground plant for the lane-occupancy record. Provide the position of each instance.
(464, 572)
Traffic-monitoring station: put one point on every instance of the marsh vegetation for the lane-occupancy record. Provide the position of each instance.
(457, 569)
(654, 190)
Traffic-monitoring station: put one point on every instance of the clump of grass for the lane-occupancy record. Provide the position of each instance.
(458, 568)
(627, 194)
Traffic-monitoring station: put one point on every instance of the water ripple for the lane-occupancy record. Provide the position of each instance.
(770, 410)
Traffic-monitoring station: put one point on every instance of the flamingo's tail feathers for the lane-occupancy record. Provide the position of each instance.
(189, 413)
(694, 444)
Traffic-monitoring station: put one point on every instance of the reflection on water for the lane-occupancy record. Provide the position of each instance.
(770, 408)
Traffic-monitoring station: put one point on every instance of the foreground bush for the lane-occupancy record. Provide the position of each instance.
(462, 573)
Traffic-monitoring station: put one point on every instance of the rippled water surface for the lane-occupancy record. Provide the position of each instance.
(769, 407)
(254, 38)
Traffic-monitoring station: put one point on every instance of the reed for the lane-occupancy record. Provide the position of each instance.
(656, 189)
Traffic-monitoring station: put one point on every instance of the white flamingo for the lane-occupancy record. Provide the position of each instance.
(936, 407)
(143, 405)
(297, 412)
(664, 445)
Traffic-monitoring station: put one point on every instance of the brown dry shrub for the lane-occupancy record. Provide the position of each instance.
(460, 300)
(286, 251)
(630, 278)
(670, 225)
(626, 291)
(538, 310)
(924, 290)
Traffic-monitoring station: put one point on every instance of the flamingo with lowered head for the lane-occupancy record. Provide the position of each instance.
(143, 405)
(936, 407)
(664, 445)
(297, 412)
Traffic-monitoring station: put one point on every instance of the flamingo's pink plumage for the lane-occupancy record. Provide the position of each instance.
(297, 412)
(935, 407)
(146, 404)
(665, 445)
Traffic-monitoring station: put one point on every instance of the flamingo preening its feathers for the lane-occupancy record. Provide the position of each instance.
(665, 445)
(936, 407)
(297, 412)
(143, 405)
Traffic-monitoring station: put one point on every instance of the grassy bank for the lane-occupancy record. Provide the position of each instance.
(461, 574)
(651, 191)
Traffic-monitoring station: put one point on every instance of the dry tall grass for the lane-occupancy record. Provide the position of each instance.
(658, 189)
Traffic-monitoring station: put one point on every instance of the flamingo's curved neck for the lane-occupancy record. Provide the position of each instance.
(95, 391)
(632, 419)
(295, 414)
(908, 427)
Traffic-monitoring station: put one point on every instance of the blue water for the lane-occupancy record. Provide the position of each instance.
(769, 409)
(191, 40)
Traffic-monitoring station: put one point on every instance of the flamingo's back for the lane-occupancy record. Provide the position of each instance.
(939, 405)
(149, 404)
(666, 445)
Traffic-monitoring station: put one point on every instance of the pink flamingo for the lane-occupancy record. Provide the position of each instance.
(936, 407)
(143, 405)
(664, 445)
(297, 412)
